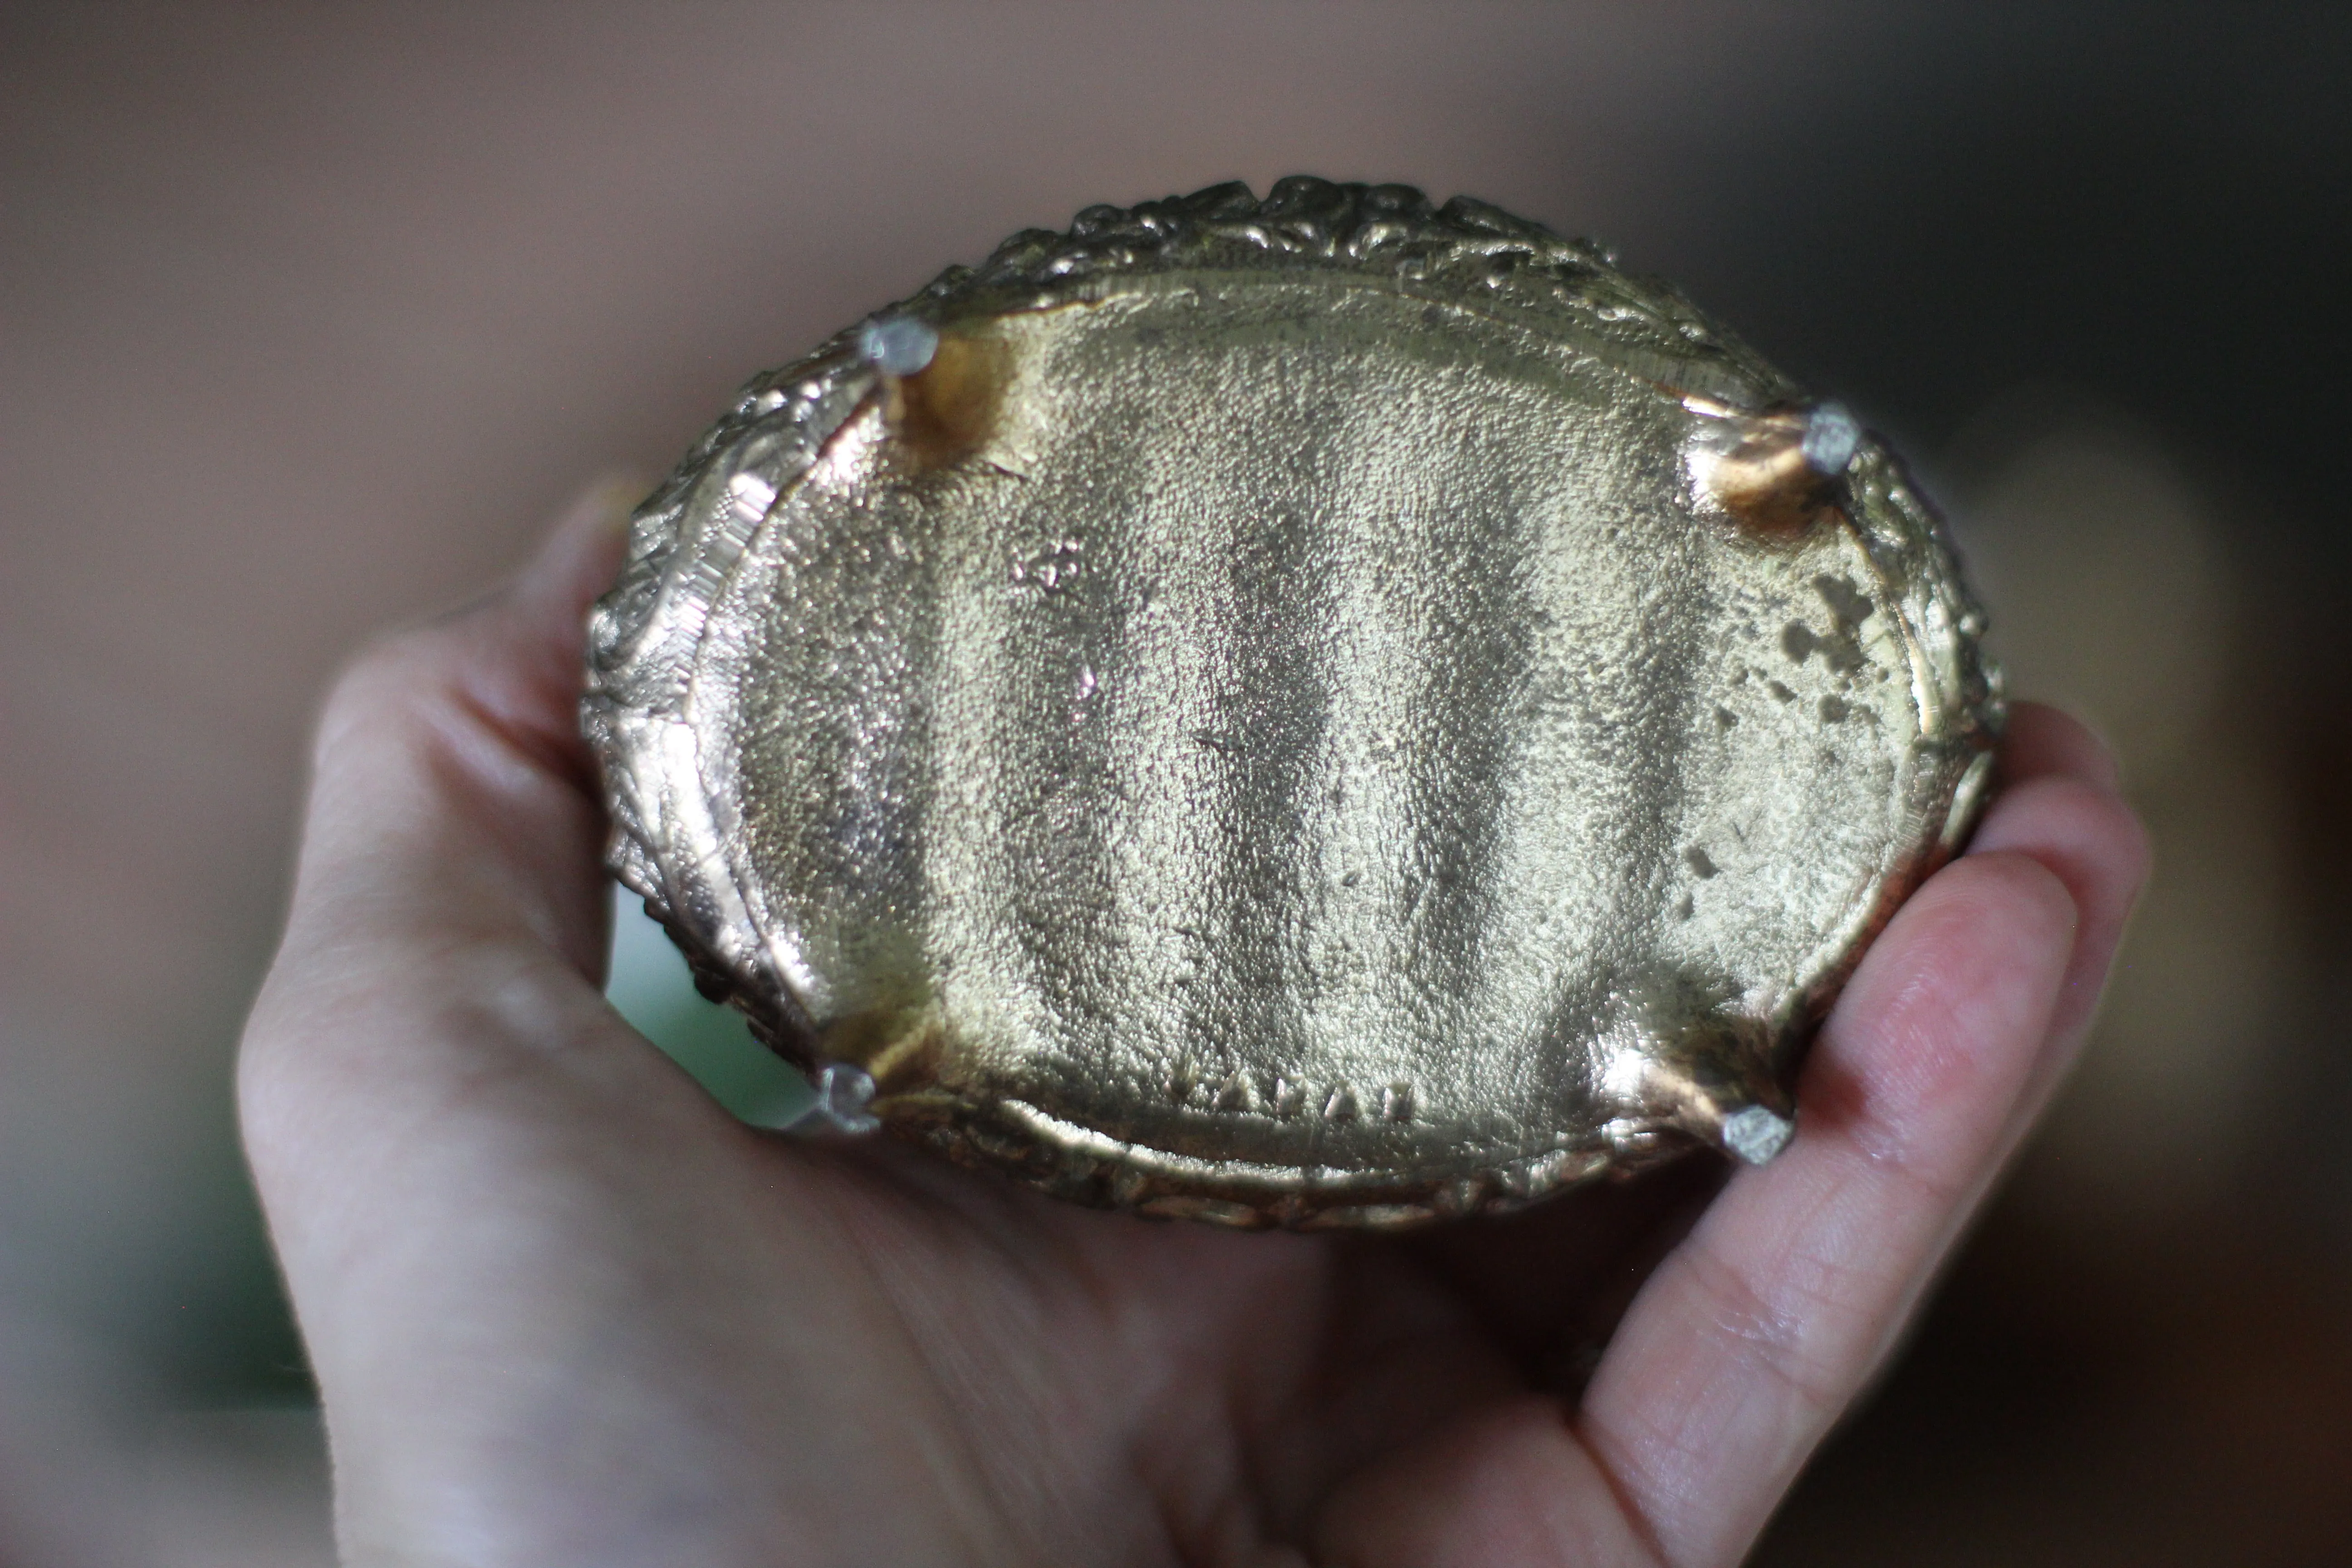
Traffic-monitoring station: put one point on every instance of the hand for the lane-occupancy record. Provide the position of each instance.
(563, 1310)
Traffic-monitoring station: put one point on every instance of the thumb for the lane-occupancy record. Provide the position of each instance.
(453, 801)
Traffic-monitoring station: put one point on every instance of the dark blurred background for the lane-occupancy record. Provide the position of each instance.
(311, 315)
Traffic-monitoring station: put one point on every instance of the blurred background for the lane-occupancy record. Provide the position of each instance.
(314, 314)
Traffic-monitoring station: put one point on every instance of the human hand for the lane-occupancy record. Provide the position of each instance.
(563, 1310)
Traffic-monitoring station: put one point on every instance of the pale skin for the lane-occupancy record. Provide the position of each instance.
(564, 1309)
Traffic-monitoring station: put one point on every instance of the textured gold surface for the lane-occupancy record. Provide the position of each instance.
(1319, 710)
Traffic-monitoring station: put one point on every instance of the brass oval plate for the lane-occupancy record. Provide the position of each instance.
(1319, 709)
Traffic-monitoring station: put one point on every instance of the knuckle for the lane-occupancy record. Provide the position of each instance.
(366, 692)
(394, 680)
(2073, 819)
(2099, 830)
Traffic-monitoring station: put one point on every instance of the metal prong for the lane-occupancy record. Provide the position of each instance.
(843, 1093)
(898, 345)
(1830, 438)
(1756, 1133)
(1775, 469)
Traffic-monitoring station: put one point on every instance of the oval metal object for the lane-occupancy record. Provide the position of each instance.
(1319, 709)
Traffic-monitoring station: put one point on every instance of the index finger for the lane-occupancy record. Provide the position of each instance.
(1755, 1335)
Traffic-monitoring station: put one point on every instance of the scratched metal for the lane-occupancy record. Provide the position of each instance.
(1319, 709)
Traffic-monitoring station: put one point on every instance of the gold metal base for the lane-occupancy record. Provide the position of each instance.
(1312, 710)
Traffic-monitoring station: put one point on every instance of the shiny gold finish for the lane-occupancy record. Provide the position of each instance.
(1310, 711)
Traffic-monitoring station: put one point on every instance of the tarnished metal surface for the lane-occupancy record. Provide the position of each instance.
(1315, 710)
